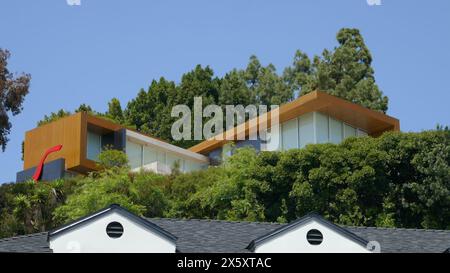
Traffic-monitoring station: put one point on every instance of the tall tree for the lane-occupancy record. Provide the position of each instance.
(161, 96)
(265, 84)
(13, 90)
(150, 110)
(234, 90)
(344, 72)
(198, 82)
(115, 110)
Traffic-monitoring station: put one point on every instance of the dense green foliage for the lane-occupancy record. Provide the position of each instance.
(344, 71)
(28, 207)
(398, 179)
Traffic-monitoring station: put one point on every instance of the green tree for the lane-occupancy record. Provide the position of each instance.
(150, 111)
(267, 87)
(27, 207)
(85, 108)
(228, 192)
(13, 90)
(200, 82)
(233, 89)
(142, 194)
(345, 72)
(112, 159)
(115, 110)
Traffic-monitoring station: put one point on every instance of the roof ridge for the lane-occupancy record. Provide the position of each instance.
(396, 228)
(213, 220)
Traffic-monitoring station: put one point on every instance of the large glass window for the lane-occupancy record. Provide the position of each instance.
(306, 129)
(134, 153)
(361, 133)
(335, 131)
(289, 134)
(193, 166)
(172, 160)
(321, 128)
(349, 131)
(94, 145)
(161, 157)
(188, 166)
(150, 155)
(271, 139)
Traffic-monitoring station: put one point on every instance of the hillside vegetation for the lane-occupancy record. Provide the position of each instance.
(396, 180)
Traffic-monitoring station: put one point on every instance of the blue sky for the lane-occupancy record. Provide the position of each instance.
(111, 48)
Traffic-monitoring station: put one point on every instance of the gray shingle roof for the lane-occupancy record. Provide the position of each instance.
(32, 243)
(224, 236)
(398, 240)
(213, 235)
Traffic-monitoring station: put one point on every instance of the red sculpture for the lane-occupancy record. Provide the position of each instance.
(38, 172)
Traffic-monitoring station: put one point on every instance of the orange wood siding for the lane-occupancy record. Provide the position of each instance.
(66, 131)
(71, 132)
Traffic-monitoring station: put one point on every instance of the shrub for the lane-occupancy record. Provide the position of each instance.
(111, 158)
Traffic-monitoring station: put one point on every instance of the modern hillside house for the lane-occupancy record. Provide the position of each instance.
(316, 117)
(84, 136)
(114, 229)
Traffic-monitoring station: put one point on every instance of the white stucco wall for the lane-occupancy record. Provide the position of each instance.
(91, 237)
(294, 241)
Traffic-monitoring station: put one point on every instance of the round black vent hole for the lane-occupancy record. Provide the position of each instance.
(314, 237)
(114, 230)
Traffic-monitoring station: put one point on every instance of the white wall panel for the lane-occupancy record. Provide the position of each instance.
(289, 132)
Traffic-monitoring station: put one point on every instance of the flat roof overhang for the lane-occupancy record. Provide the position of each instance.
(103, 126)
(373, 122)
